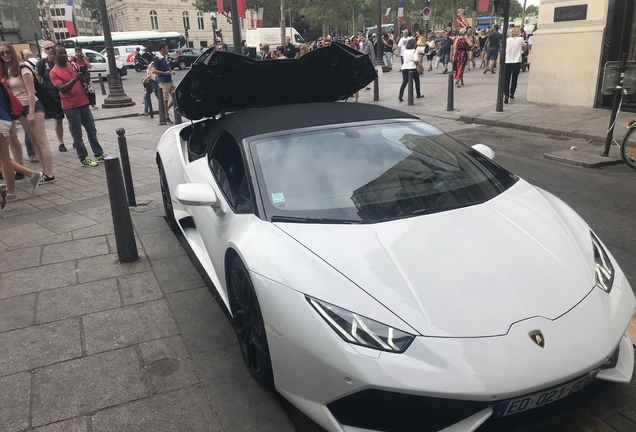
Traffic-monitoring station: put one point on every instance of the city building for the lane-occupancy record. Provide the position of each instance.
(173, 15)
(574, 40)
(18, 23)
(52, 20)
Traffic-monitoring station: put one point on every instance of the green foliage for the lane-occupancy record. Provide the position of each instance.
(93, 7)
(532, 10)
(516, 10)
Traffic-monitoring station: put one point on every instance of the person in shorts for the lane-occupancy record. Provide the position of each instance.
(492, 49)
(161, 68)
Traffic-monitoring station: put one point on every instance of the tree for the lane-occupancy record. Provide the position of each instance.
(93, 7)
(532, 10)
(516, 10)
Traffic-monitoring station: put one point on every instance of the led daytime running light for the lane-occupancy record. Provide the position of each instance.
(603, 269)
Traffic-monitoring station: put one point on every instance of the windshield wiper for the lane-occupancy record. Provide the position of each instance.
(294, 219)
(443, 209)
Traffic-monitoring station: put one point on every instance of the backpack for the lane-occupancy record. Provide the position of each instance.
(13, 104)
(51, 107)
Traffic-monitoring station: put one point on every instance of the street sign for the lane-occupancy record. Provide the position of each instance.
(611, 76)
(426, 12)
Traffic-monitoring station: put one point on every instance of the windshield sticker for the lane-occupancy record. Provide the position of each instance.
(278, 197)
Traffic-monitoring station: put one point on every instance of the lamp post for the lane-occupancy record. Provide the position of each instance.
(503, 8)
(236, 27)
(116, 98)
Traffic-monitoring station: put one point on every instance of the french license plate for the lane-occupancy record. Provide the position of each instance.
(544, 397)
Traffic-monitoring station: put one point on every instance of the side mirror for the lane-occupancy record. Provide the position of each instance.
(485, 150)
(197, 194)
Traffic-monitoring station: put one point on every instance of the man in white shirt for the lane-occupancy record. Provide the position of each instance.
(402, 43)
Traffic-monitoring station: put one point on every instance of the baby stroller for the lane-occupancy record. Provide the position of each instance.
(524, 62)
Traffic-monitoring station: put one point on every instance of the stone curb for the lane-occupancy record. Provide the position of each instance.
(578, 162)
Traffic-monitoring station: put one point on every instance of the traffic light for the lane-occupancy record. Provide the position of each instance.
(186, 32)
(500, 6)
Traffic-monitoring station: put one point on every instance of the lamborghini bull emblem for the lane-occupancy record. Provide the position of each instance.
(537, 337)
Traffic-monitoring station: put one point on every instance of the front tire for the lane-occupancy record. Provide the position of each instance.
(182, 65)
(167, 198)
(249, 324)
(628, 151)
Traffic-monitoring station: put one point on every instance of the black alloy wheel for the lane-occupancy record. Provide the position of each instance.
(182, 65)
(167, 199)
(249, 325)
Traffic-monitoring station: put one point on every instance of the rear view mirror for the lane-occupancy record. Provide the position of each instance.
(485, 150)
(196, 194)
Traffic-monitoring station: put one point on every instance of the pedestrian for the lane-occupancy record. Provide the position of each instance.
(221, 47)
(161, 68)
(31, 61)
(303, 50)
(432, 52)
(411, 58)
(68, 82)
(9, 167)
(149, 82)
(459, 56)
(43, 70)
(515, 46)
(355, 43)
(267, 54)
(492, 49)
(445, 51)
(473, 45)
(290, 49)
(422, 50)
(389, 45)
(402, 44)
(482, 48)
(280, 52)
(84, 65)
(366, 47)
(19, 79)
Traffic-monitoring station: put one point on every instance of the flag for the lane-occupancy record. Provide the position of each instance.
(400, 12)
(483, 6)
(219, 6)
(386, 15)
(461, 21)
(68, 18)
(241, 6)
(259, 16)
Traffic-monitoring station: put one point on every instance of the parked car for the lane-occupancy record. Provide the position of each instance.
(99, 63)
(381, 274)
(183, 58)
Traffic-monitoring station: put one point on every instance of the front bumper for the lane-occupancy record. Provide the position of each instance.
(314, 368)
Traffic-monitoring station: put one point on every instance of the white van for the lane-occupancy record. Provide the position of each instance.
(256, 37)
(125, 54)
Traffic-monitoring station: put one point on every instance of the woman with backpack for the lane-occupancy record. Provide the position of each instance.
(9, 167)
(18, 77)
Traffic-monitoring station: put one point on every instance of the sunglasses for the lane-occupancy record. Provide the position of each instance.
(48, 48)
(5, 53)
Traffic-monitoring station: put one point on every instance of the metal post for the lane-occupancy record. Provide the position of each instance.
(150, 113)
(125, 164)
(177, 114)
(474, 18)
(410, 89)
(450, 102)
(122, 223)
(502, 58)
(162, 108)
(376, 90)
(101, 83)
(617, 100)
(236, 27)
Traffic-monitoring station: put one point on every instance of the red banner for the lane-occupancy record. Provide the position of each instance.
(219, 6)
(483, 6)
(242, 6)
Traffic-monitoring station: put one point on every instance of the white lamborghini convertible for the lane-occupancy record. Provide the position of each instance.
(381, 274)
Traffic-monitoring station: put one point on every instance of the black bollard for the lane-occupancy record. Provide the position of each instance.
(150, 113)
(450, 103)
(410, 88)
(124, 234)
(177, 114)
(101, 84)
(125, 164)
(162, 108)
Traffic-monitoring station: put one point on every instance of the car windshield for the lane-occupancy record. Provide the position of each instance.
(371, 173)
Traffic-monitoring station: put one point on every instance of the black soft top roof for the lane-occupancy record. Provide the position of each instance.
(221, 81)
(252, 122)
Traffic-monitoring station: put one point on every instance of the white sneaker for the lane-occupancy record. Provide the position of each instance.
(35, 180)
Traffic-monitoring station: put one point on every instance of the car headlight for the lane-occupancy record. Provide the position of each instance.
(603, 269)
(359, 330)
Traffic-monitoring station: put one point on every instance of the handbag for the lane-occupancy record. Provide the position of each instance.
(88, 88)
(51, 107)
(14, 105)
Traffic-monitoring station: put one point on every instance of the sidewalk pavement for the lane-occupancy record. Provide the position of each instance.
(90, 345)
